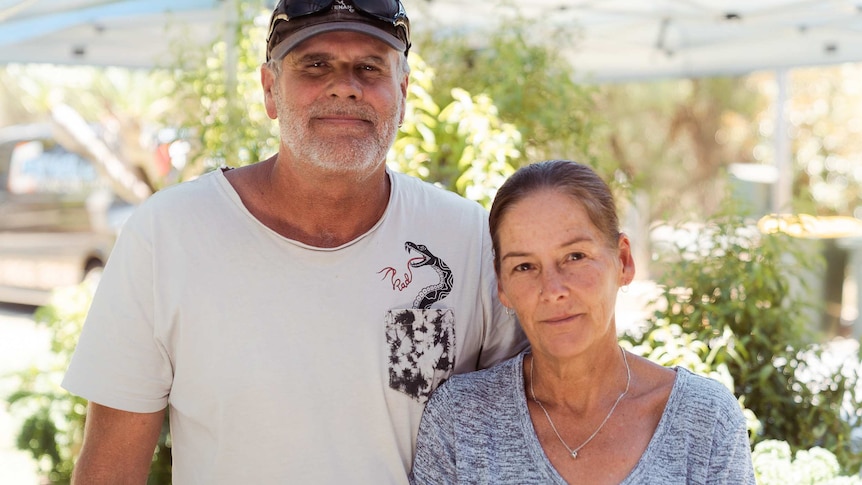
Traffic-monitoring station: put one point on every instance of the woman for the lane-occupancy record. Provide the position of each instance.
(575, 408)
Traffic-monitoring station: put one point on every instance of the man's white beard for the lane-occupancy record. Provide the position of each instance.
(347, 153)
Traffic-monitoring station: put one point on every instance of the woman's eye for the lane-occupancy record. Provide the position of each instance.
(522, 267)
(575, 256)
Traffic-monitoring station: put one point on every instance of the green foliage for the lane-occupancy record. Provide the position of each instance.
(740, 300)
(53, 427)
(531, 83)
(774, 464)
(53, 420)
(464, 147)
(219, 98)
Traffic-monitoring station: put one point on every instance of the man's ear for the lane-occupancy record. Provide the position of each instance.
(404, 84)
(267, 82)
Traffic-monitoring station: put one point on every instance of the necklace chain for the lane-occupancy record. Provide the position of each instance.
(574, 452)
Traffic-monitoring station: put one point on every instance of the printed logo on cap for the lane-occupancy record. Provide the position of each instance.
(340, 5)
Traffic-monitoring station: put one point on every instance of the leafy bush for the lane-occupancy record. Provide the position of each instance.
(464, 147)
(740, 300)
(53, 426)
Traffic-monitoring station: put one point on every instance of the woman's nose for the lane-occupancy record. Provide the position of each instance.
(553, 284)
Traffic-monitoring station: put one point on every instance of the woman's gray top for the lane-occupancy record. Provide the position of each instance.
(476, 429)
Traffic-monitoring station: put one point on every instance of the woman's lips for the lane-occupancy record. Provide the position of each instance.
(560, 319)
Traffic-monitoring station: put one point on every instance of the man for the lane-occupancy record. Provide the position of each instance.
(295, 313)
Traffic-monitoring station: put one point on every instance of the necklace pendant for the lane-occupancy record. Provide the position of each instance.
(574, 454)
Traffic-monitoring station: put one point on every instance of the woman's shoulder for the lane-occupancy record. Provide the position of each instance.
(704, 394)
(700, 384)
(415, 192)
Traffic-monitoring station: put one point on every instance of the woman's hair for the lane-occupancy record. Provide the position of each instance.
(567, 177)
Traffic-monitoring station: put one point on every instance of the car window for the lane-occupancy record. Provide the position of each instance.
(43, 167)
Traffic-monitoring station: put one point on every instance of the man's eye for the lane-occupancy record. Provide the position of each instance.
(575, 256)
(522, 267)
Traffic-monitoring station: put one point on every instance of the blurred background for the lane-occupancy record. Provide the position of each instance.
(730, 131)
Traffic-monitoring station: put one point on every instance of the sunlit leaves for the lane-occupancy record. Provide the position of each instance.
(464, 147)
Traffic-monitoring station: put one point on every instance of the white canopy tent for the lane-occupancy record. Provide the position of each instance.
(125, 33)
(617, 40)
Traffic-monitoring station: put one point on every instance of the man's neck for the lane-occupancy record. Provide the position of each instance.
(324, 211)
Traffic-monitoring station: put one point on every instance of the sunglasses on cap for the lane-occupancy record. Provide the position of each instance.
(389, 11)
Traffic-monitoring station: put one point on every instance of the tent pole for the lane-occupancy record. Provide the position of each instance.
(230, 64)
(783, 189)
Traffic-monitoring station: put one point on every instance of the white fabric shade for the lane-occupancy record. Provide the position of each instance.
(617, 40)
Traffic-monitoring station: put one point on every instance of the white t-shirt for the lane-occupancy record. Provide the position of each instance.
(283, 362)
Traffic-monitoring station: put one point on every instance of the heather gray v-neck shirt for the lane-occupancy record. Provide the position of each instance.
(476, 429)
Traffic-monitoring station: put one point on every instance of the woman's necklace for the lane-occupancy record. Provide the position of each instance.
(574, 452)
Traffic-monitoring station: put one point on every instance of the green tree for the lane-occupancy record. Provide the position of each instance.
(218, 98)
(531, 83)
(124, 103)
(464, 147)
(671, 140)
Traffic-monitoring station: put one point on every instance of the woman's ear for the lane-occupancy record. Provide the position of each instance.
(627, 262)
(502, 296)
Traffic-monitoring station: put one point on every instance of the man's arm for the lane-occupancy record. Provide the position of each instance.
(118, 446)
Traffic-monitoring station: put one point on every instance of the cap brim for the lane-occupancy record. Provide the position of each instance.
(290, 42)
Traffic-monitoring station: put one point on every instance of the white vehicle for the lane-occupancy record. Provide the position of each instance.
(58, 217)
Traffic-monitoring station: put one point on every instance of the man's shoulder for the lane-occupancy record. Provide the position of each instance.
(189, 199)
(200, 188)
(415, 189)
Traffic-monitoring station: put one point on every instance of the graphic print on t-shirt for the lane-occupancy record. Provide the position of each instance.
(430, 294)
(436, 292)
(421, 339)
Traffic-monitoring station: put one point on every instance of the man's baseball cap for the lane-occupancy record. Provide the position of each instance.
(294, 21)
